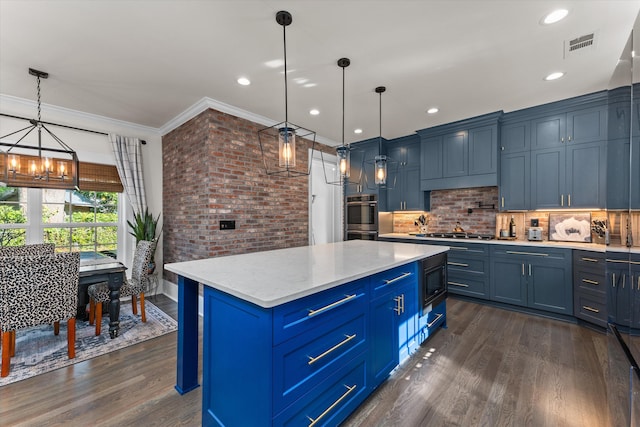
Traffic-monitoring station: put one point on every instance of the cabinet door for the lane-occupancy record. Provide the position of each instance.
(586, 175)
(635, 174)
(618, 174)
(515, 174)
(384, 334)
(587, 125)
(549, 286)
(431, 158)
(483, 150)
(414, 197)
(507, 281)
(548, 131)
(412, 155)
(548, 178)
(455, 155)
(395, 191)
(515, 137)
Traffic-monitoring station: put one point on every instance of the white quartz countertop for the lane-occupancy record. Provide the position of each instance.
(543, 244)
(275, 277)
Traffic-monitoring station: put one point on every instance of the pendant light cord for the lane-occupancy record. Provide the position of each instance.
(286, 95)
(343, 106)
(380, 128)
(39, 107)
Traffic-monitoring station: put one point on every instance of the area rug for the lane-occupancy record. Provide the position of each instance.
(39, 351)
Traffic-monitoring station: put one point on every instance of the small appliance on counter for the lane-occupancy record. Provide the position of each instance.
(535, 232)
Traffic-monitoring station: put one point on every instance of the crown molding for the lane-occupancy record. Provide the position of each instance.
(210, 103)
(9, 102)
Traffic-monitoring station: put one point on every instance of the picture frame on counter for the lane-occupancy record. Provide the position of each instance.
(570, 227)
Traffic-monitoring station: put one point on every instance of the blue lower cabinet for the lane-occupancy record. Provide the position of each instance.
(310, 361)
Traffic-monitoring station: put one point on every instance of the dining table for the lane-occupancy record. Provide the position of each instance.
(97, 268)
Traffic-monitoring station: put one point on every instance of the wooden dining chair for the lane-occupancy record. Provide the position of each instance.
(134, 287)
(37, 290)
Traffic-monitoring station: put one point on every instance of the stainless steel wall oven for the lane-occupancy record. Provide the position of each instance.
(362, 217)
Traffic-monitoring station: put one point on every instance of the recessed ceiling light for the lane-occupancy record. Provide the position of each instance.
(276, 63)
(301, 80)
(244, 81)
(554, 76)
(357, 131)
(310, 85)
(555, 16)
(432, 110)
(314, 112)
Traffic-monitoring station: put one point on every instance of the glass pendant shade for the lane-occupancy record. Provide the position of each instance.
(381, 170)
(286, 148)
(344, 160)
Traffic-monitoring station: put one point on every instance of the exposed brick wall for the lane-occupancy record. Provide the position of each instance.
(450, 206)
(213, 170)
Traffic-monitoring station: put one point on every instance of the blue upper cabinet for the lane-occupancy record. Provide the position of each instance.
(460, 155)
(566, 142)
(403, 191)
(361, 178)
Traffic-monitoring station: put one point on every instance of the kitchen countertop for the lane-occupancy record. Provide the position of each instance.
(544, 244)
(275, 277)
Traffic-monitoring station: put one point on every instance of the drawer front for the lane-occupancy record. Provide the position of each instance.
(470, 284)
(306, 360)
(587, 279)
(468, 248)
(531, 251)
(591, 307)
(589, 260)
(389, 280)
(429, 323)
(332, 401)
(334, 305)
(468, 264)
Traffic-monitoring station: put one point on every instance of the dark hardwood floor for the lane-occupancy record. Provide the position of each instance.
(491, 367)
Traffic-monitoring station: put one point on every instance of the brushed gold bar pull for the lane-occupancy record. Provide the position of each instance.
(523, 268)
(458, 284)
(591, 282)
(403, 303)
(569, 200)
(457, 264)
(588, 259)
(529, 269)
(438, 316)
(395, 279)
(330, 306)
(503, 201)
(619, 261)
(330, 408)
(634, 262)
(458, 248)
(594, 310)
(526, 253)
(562, 200)
(313, 360)
(624, 279)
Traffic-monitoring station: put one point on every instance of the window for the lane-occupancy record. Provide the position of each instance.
(77, 221)
(81, 221)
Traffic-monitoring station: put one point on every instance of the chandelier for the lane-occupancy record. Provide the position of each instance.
(284, 135)
(52, 167)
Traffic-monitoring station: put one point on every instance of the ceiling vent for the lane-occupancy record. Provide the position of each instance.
(579, 44)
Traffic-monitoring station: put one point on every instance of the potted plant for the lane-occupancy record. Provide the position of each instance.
(145, 227)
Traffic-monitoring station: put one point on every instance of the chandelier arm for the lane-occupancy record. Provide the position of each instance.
(21, 138)
(58, 140)
(18, 131)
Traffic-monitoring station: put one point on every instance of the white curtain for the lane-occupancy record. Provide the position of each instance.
(128, 152)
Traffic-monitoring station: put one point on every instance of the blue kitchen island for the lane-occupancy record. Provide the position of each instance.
(300, 336)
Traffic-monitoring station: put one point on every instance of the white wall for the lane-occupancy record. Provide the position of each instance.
(97, 149)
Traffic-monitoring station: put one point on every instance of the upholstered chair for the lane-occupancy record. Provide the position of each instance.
(134, 287)
(37, 290)
(28, 250)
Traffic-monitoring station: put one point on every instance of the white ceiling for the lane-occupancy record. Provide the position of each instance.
(146, 62)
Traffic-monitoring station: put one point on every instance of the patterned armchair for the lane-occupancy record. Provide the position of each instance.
(37, 290)
(134, 287)
(28, 250)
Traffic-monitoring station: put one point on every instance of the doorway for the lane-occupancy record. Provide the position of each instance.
(325, 200)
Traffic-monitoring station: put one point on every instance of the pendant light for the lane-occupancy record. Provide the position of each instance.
(343, 152)
(381, 163)
(284, 135)
(50, 168)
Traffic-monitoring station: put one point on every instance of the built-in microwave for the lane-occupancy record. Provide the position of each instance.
(362, 212)
(362, 235)
(433, 281)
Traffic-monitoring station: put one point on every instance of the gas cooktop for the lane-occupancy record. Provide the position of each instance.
(459, 236)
